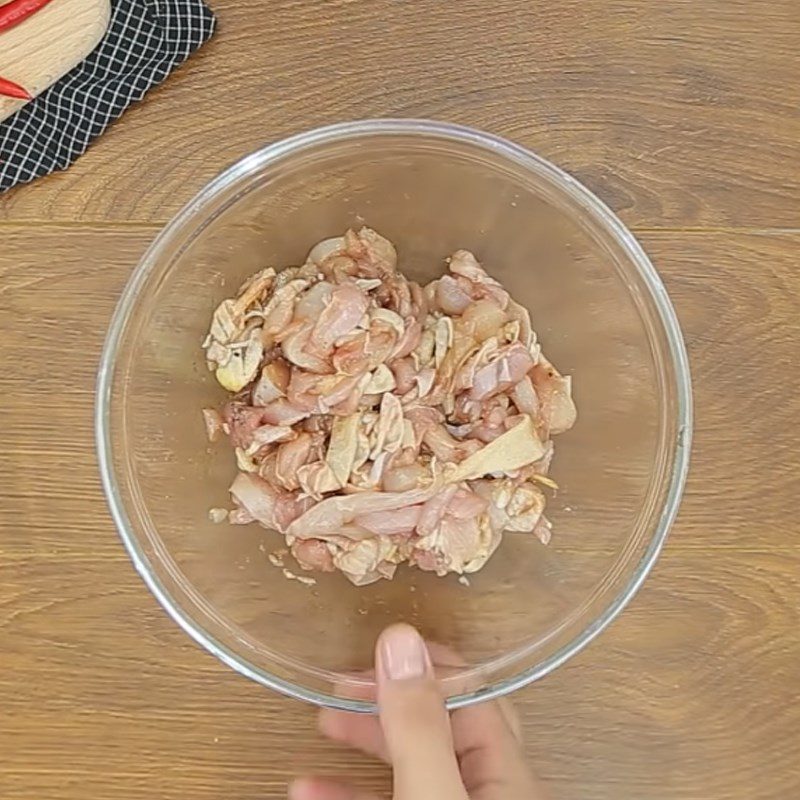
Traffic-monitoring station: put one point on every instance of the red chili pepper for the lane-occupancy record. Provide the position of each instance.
(16, 11)
(11, 89)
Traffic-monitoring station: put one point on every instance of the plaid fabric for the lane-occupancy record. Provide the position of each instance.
(145, 41)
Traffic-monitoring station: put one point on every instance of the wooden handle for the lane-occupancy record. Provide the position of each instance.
(37, 52)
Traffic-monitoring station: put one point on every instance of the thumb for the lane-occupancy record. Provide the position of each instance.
(414, 719)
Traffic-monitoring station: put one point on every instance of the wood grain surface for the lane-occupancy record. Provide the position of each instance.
(37, 52)
(685, 117)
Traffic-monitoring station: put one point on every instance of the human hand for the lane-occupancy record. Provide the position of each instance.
(472, 754)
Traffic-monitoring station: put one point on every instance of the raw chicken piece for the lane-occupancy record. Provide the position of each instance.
(342, 313)
(272, 383)
(434, 510)
(330, 515)
(241, 420)
(555, 392)
(447, 448)
(505, 371)
(313, 554)
(270, 506)
(480, 285)
(282, 412)
(451, 297)
(290, 457)
(375, 421)
(390, 523)
(296, 346)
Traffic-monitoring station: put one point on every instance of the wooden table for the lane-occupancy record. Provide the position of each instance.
(685, 117)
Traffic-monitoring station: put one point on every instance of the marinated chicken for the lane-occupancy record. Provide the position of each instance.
(375, 421)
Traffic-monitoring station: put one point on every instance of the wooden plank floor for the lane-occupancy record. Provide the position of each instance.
(683, 116)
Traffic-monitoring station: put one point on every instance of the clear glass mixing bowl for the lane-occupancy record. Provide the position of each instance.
(601, 313)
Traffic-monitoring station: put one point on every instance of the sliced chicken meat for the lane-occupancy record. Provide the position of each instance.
(375, 421)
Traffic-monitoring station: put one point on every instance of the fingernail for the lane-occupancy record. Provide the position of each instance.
(403, 653)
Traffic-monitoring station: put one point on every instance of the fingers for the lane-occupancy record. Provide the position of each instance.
(487, 740)
(362, 731)
(510, 716)
(446, 659)
(415, 723)
(323, 789)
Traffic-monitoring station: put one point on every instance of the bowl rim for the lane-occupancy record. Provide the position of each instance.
(354, 130)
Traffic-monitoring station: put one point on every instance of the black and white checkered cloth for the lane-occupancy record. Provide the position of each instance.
(145, 41)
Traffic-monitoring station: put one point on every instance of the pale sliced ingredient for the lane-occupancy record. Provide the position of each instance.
(253, 288)
(388, 434)
(214, 424)
(363, 558)
(425, 380)
(243, 364)
(342, 447)
(555, 391)
(442, 339)
(488, 541)
(381, 381)
(226, 324)
(245, 461)
(514, 449)
(389, 318)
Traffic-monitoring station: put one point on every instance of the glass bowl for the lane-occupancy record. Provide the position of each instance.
(601, 313)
